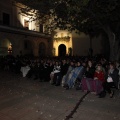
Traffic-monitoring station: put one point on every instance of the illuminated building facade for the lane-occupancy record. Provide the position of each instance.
(19, 35)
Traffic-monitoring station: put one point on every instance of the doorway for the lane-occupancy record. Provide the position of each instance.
(62, 50)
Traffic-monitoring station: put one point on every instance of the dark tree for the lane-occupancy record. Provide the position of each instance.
(93, 17)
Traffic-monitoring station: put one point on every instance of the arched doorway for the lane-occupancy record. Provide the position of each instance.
(42, 49)
(62, 50)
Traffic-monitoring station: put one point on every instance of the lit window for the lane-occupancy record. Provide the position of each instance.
(26, 24)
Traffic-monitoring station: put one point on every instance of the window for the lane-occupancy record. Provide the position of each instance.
(41, 28)
(6, 19)
(26, 24)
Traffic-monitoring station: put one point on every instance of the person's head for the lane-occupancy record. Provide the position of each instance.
(111, 65)
(78, 63)
(89, 63)
(117, 64)
(84, 64)
(53, 62)
(56, 63)
(71, 63)
(64, 61)
(59, 62)
(99, 67)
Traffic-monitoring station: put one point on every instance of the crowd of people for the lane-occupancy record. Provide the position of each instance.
(96, 74)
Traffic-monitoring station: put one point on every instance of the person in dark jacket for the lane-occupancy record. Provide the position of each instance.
(59, 75)
(90, 70)
(112, 79)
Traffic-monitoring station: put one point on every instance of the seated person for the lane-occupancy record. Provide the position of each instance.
(88, 76)
(65, 77)
(90, 69)
(99, 79)
(56, 70)
(74, 75)
(112, 79)
(95, 84)
(58, 76)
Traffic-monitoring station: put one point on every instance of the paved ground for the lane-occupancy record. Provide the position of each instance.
(26, 99)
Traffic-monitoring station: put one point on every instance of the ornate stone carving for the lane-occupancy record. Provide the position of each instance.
(62, 39)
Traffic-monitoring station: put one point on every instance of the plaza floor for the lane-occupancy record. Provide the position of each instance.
(28, 99)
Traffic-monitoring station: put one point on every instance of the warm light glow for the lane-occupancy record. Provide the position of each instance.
(22, 17)
(10, 48)
(61, 35)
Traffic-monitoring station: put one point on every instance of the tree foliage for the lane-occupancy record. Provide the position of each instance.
(82, 15)
(89, 16)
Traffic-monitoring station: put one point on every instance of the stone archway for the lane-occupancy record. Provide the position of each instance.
(42, 49)
(62, 50)
(5, 47)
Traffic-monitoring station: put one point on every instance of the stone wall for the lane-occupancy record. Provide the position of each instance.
(22, 44)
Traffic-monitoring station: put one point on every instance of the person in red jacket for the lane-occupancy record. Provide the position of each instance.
(95, 84)
(99, 78)
(99, 73)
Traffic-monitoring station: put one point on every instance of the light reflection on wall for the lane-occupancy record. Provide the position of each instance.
(22, 17)
(5, 45)
(10, 48)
